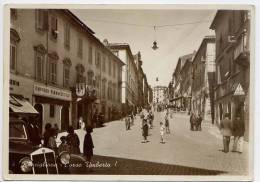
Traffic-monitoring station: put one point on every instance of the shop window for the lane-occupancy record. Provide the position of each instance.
(52, 110)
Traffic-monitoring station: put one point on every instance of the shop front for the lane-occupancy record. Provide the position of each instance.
(53, 105)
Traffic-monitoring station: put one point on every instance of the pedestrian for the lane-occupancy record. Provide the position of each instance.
(88, 144)
(127, 122)
(145, 131)
(226, 131)
(95, 118)
(199, 120)
(191, 121)
(33, 131)
(238, 133)
(162, 128)
(63, 147)
(46, 134)
(132, 118)
(56, 129)
(167, 124)
(52, 140)
(73, 141)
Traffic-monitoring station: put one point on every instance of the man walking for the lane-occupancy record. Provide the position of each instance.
(226, 131)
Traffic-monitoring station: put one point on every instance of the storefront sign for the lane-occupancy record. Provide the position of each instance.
(51, 92)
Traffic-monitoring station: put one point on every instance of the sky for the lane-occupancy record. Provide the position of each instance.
(136, 27)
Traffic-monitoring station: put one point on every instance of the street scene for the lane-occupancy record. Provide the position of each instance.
(112, 92)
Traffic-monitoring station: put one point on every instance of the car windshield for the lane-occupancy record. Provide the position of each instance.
(17, 131)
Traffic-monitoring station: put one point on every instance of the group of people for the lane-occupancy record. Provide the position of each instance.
(69, 143)
(195, 122)
(235, 129)
(147, 117)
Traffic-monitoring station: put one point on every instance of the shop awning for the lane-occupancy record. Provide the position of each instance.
(18, 104)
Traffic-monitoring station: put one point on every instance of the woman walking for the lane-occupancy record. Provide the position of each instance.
(88, 144)
(145, 131)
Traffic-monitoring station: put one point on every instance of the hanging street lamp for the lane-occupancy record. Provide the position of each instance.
(154, 47)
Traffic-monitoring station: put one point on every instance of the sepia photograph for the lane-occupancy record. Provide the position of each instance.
(124, 91)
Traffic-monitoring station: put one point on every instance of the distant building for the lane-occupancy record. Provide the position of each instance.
(232, 28)
(203, 79)
(159, 94)
(129, 75)
(181, 82)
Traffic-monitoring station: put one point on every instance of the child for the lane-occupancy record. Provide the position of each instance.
(64, 147)
(162, 132)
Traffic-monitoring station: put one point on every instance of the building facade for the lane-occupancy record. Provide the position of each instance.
(232, 29)
(129, 75)
(159, 94)
(203, 79)
(51, 56)
(181, 82)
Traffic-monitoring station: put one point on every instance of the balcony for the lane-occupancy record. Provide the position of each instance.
(241, 51)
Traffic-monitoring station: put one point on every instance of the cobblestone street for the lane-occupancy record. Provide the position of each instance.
(184, 153)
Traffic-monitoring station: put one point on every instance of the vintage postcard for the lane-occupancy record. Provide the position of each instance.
(128, 92)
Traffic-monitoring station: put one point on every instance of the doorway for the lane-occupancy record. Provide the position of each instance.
(64, 118)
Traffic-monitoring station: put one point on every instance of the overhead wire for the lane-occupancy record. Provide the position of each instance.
(143, 25)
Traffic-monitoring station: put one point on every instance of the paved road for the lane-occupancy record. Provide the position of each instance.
(184, 153)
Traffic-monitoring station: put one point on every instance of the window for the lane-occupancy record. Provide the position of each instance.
(104, 89)
(13, 56)
(115, 53)
(53, 71)
(67, 35)
(41, 19)
(66, 76)
(39, 62)
(52, 110)
(54, 27)
(104, 64)
(90, 54)
(97, 58)
(109, 66)
(114, 69)
(80, 47)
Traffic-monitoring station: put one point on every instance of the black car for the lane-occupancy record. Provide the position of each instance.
(25, 156)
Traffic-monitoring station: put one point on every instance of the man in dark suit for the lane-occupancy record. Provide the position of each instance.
(226, 131)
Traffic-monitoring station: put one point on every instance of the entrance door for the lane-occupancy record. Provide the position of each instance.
(39, 108)
(64, 118)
